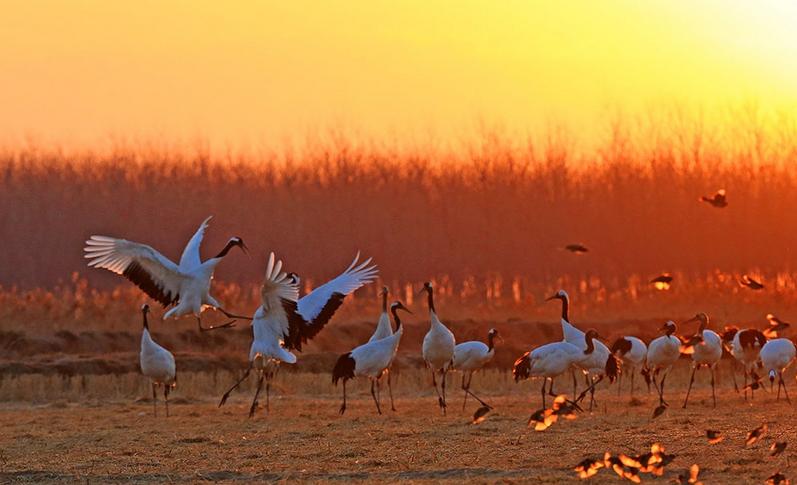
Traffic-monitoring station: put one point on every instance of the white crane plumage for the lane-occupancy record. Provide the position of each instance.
(470, 357)
(185, 285)
(276, 314)
(372, 359)
(663, 353)
(157, 363)
(776, 355)
(383, 328)
(438, 348)
(594, 365)
(552, 360)
(706, 347)
(283, 322)
(318, 306)
(632, 351)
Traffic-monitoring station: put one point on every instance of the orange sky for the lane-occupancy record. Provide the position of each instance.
(252, 73)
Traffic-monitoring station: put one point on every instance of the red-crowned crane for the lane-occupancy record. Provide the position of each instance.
(472, 356)
(706, 351)
(632, 352)
(185, 285)
(372, 360)
(156, 363)
(663, 353)
(438, 348)
(745, 348)
(776, 355)
(594, 366)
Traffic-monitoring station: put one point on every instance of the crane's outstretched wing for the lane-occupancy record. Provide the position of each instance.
(190, 258)
(278, 295)
(151, 271)
(317, 307)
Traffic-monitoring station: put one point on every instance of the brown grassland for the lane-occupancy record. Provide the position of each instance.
(485, 222)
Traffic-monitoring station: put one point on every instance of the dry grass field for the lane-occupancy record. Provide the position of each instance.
(115, 439)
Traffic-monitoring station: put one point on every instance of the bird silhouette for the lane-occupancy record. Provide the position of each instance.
(718, 200)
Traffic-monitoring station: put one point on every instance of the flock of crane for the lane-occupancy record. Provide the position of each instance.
(284, 322)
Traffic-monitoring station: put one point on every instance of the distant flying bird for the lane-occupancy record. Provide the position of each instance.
(776, 355)
(663, 353)
(776, 325)
(714, 436)
(576, 248)
(438, 348)
(470, 357)
(371, 360)
(662, 282)
(751, 283)
(707, 352)
(185, 285)
(718, 200)
(632, 352)
(156, 363)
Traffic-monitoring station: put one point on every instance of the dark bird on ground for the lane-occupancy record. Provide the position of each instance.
(662, 282)
(751, 283)
(755, 435)
(777, 478)
(576, 248)
(480, 415)
(714, 436)
(718, 200)
(588, 467)
(777, 448)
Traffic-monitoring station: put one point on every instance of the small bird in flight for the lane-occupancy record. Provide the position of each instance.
(751, 283)
(718, 200)
(576, 248)
(775, 325)
(662, 282)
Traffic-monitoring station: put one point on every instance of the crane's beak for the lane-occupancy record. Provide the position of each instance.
(422, 290)
(554, 297)
(245, 248)
(402, 307)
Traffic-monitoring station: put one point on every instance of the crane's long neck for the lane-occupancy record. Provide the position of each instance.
(590, 345)
(566, 309)
(430, 293)
(225, 250)
(146, 324)
(384, 302)
(490, 342)
(396, 318)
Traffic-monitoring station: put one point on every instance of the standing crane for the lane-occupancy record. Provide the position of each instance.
(438, 348)
(470, 357)
(157, 363)
(706, 349)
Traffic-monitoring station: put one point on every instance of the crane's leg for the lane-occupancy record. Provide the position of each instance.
(713, 387)
(257, 393)
(691, 381)
(656, 386)
(155, 399)
(783, 383)
(343, 406)
(237, 383)
(212, 327)
(745, 384)
(468, 391)
(733, 375)
(443, 387)
(661, 393)
(440, 401)
(166, 388)
(373, 394)
(390, 389)
(544, 382)
(231, 315)
(619, 383)
(575, 384)
(465, 389)
(632, 382)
